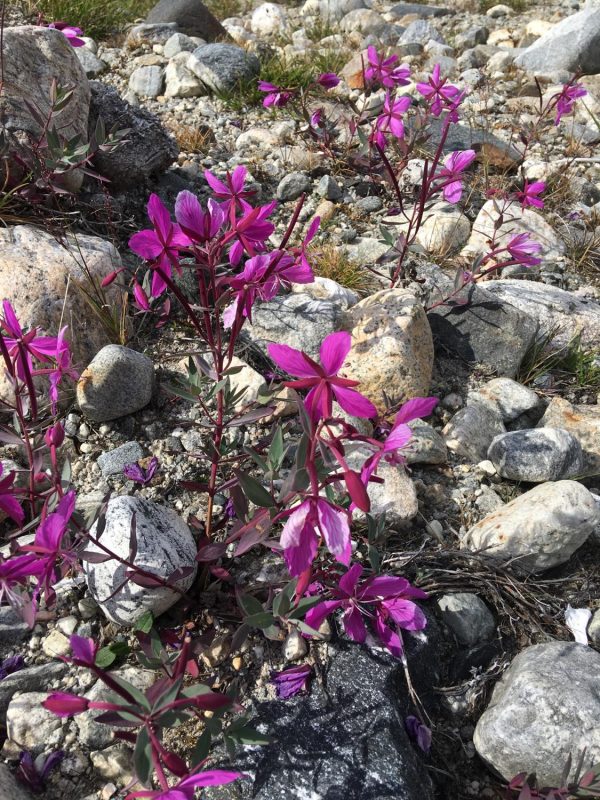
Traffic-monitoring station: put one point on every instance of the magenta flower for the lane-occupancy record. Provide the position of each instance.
(451, 174)
(14, 574)
(11, 665)
(141, 298)
(8, 502)
(399, 435)
(529, 195)
(419, 732)
(232, 191)
(523, 250)
(384, 70)
(33, 773)
(64, 704)
(391, 119)
(313, 519)
(385, 600)
(63, 368)
(438, 92)
(566, 99)
(250, 232)
(161, 244)
(201, 226)
(328, 80)
(24, 347)
(186, 788)
(291, 681)
(140, 475)
(323, 380)
(70, 31)
(84, 651)
(276, 96)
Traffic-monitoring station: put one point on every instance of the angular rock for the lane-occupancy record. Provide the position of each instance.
(252, 384)
(422, 10)
(420, 31)
(221, 67)
(472, 429)
(292, 186)
(118, 381)
(327, 289)
(180, 80)
(392, 348)
(468, 617)
(346, 741)
(296, 320)
(512, 399)
(426, 445)
(150, 33)
(28, 680)
(572, 45)
(544, 708)
(583, 422)
(92, 65)
(334, 10)
(444, 231)
(46, 268)
(561, 315)
(30, 727)
(364, 21)
(396, 497)
(164, 545)
(13, 629)
(540, 529)
(113, 462)
(190, 16)
(147, 81)
(148, 149)
(489, 148)
(179, 43)
(538, 455)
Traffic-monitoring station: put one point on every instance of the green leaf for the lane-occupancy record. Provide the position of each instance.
(304, 605)
(168, 695)
(302, 626)
(301, 480)
(201, 748)
(139, 697)
(109, 654)
(283, 601)
(263, 620)
(142, 757)
(276, 450)
(145, 622)
(247, 735)
(374, 558)
(196, 690)
(249, 604)
(254, 491)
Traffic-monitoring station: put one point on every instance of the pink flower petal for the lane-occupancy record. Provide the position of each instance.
(354, 625)
(406, 614)
(333, 352)
(354, 403)
(160, 217)
(293, 361)
(315, 616)
(334, 528)
(146, 244)
(349, 581)
(416, 408)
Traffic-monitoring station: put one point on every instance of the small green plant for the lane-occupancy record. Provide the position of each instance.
(572, 364)
(98, 18)
(331, 262)
(516, 5)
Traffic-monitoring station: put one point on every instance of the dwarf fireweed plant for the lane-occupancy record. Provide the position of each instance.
(583, 783)
(392, 128)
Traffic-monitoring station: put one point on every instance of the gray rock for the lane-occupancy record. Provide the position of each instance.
(296, 320)
(164, 545)
(346, 739)
(334, 10)
(329, 189)
(471, 430)
(368, 23)
(471, 38)
(545, 707)
(370, 204)
(293, 185)
(511, 398)
(540, 529)
(396, 497)
(557, 311)
(10, 788)
(154, 33)
(583, 421)
(426, 445)
(538, 455)
(90, 62)
(148, 148)
(190, 16)
(573, 45)
(179, 78)
(147, 81)
(468, 617)
(221, 67)
(179, 43)
(462, 137)
(118, 381)
(13, 629)
(402, 9)
(30, 727)
(593, 629)
(112, 462)
(29, 680)
(420, 31)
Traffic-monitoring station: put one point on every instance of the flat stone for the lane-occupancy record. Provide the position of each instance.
(468, 617)
(512, 399)
(164, 545)
(90, 62)
(540, 529)
(403, 9)
(221, 67)
(28, 680)
(292, 186)
(553, 689)
(30, 727)
(191, 17)
(179, 43)
(471, 431)
(426, 446)
(150, 33)
(538, 455)
(113, 462)
(583, 422)
(147, 81)
(118, 381)
(420, 31)
(56, 644)
(396, 497)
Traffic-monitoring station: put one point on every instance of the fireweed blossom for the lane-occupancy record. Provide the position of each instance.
(197, 224)
(314, 519)
(419, 732)
(291, 681)
(386, 601)
(231, 191)
(8, 502)
(384, 70)
(159, 245)
(528, 196)
(23, 346)
(391, 119)
(328, 80)
(15, 573)
(70, 31)
(275, 95)
(62, 369)
(250, 232)
(186, 788)
(138, 474)
(322, 379)
(449, 177)
(523, 249)
(438, 92)
(566, 100)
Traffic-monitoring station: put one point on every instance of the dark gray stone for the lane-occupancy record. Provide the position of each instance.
(148, 148)
(370, 204)
(112, 462)
(13, 629)
(329, 189)
(158, 33)
(468, 617)
(92, 65)
(147, 81)
(472, 429)
(191, 17)
(222, 67)
(31, 679)
(345, 741)
(10, 788)
(538, 455)
(402, 9)
(420, 31)
(293, 185)
(471, 38)
(463, 137)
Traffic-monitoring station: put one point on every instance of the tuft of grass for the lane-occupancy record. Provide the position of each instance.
(97, 18)
(223, 9)
(195, 139)
(330, 261)
(572, 365)
(277, 70)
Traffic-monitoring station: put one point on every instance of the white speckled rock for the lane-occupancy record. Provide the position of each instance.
(538, 455)
(511, 398)
(540, 529)
(268, 18)
(30, 727)
(164, 545)
(583, 422)
(471, 430)
(117, 382)
(545, 707)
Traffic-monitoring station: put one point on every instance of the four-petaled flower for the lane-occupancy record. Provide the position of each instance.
(449, 177)
(161, 244)
(328, 80)
(232, 191)
(438, 92)
(292, 681)
(8, 502)
(529, 194)
(391, 119)
(385, 600)
(70, 31)
(200, 226)
(384, 70)
(23, 347)
(276, 96)
(135, 472)
(314, 518)
(566, 99)
(523, 250)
